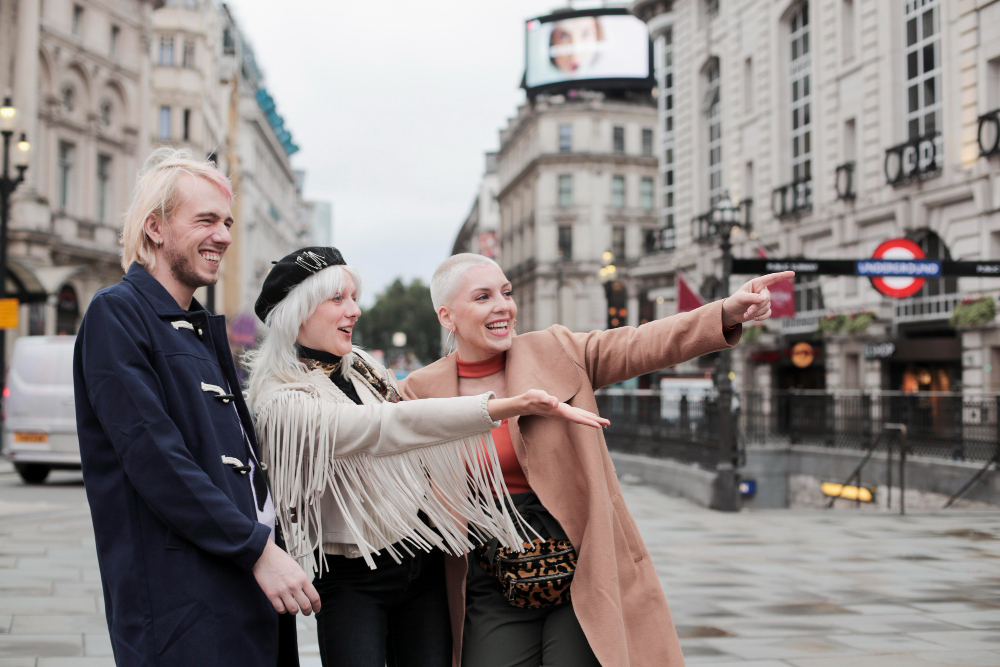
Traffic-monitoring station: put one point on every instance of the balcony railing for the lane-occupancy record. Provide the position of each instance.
(805, 321)
(844, 182)
(924, 308)
(920, 157)
(659, 240)
(791, 199)
(989, 133)
(704, 229)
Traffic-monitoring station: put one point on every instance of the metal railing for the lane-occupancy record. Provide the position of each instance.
(988, 135)
(917, 158)
(792, 198)
(684, 426)
(924, 308)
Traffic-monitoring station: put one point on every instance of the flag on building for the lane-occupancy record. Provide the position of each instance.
(782, 293)
(687, 298)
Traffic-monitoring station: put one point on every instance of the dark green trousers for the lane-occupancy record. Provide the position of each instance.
(499, 635)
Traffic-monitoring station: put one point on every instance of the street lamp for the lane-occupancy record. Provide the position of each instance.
(725, 223)
(8, 121)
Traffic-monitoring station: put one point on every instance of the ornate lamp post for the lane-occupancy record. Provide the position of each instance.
(726, 219)
(8, 121)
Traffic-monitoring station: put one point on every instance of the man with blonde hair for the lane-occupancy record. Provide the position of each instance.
(190, 561)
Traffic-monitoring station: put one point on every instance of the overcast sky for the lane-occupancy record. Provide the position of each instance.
(393, 104)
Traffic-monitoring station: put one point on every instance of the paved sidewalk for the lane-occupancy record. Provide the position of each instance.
(781, 588)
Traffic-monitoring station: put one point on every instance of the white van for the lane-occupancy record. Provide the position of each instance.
(40, 429)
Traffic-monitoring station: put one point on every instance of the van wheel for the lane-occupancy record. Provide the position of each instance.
(32, 473)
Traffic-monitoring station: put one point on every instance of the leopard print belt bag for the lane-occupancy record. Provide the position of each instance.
(540, 576)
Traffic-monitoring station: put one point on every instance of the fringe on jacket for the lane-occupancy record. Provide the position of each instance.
(380, 496)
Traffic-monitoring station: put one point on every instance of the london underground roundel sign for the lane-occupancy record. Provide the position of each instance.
(898, 287)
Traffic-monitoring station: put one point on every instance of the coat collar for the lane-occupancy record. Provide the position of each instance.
(535, 361)
(157, 295)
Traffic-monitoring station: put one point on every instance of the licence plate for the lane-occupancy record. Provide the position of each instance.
(31, 437)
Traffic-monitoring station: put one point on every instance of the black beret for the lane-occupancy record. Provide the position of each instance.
(291, 270)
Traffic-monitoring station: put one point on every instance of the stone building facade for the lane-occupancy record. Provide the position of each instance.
(834, 125)
(576, 178)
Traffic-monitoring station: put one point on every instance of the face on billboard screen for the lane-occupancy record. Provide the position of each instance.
(586, 47)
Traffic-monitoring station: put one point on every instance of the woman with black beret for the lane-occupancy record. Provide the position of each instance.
(370, 491)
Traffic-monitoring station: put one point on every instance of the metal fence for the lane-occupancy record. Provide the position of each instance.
(685, 427)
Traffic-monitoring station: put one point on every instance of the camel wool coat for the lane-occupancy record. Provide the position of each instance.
(616, 592)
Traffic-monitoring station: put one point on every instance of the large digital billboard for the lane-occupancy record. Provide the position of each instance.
(594, 49)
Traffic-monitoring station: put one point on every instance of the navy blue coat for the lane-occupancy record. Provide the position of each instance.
(176, 529)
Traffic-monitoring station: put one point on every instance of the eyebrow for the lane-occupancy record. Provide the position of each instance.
(487, 289)
(213, 216)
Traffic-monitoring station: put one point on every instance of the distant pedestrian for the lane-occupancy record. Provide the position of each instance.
(370, 490)
(184, 521)
(561, 477)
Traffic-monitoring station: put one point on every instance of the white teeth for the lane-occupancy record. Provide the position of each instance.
(212, 257)
(499, 326)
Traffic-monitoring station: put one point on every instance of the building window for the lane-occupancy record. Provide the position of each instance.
(566, 190)
(228, 42)
(748, 86)
(68, 99)
(565, 138)
(667, 158)
(847, 29)
(164, 127)
(113, 45)
(186, 131)
(711, 8)
(647, 142)
(188, 53)
(106, 113)
(646, 194)
(565, 242)
(103, 187)
(77, 20)
(923, 68)
(712, 107)
(166, 51)
(801, 96)
(618, 139)
(618, 243)
(618, 191)
(67, 155)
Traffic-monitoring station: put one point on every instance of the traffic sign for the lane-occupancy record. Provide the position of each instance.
(8, 313)
(908, 280)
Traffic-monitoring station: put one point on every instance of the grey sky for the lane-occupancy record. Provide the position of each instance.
(393, 104)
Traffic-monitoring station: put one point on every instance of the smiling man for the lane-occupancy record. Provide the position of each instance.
(190, 561)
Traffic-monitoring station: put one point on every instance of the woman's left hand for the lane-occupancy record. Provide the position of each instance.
(752, 301)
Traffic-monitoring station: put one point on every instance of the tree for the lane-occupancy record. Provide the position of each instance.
(405, 308)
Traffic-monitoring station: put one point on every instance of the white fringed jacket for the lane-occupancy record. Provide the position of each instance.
(353, 478)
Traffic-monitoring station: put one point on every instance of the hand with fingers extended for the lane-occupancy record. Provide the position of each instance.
(752, 301)
(284, 583)
(538, 402)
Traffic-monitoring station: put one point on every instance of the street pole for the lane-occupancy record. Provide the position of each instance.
(726, 492)
(7, 187)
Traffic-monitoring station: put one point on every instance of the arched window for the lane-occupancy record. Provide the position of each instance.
(67, 311)
(934, 248)
(801, 94)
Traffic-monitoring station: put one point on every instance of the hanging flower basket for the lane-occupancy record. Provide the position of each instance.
(832, 324)
(859, 322)
(751, 335)
(973, 312)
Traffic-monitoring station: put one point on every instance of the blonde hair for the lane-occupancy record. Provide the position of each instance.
(156, 194)
(276, 358)
(448, 277)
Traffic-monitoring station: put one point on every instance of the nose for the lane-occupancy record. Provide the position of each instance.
(354, 311)
(222, 236)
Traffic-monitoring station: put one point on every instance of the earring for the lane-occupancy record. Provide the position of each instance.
(448, 342)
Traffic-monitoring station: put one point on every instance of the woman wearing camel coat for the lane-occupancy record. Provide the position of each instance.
(616, 592)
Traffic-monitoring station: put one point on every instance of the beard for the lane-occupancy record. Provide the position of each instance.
(182, 270)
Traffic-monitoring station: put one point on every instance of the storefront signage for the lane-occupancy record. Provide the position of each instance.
(803, 354)
(878, 350)
(9, 309)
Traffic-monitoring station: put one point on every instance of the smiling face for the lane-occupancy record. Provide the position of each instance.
(330, 326)
(481, 313)
(192, 243)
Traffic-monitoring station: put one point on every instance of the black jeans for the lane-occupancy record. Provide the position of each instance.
(393, 616)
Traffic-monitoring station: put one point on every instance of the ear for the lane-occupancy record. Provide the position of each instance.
(153, 228)
(444, 317)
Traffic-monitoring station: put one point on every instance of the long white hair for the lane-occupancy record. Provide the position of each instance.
(275, 359)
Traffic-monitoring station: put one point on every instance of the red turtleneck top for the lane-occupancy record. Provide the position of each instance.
(513, 475)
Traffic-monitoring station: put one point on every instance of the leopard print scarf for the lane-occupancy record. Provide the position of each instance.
(368, 373)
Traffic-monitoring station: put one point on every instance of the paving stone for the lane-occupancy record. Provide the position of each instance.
(23, 646)
(47, 605)
(98, 644)
(51, 624)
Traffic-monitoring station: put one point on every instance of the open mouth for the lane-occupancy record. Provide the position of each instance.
(212, 258)
(345, 330)
(498, 328)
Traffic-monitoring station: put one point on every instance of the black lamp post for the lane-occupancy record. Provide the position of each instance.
(726, 219)
(8, 120)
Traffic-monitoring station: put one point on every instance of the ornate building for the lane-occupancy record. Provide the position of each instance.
(835, 125)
